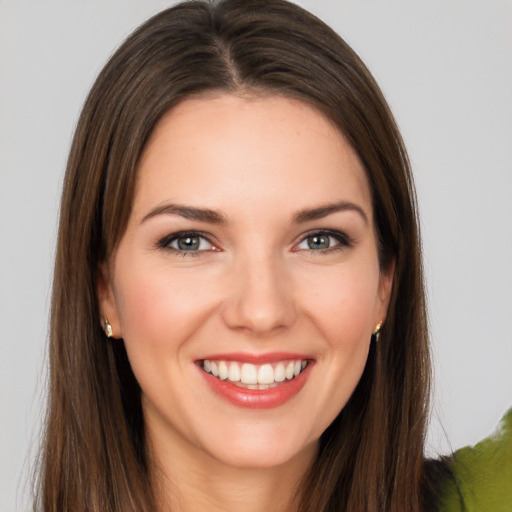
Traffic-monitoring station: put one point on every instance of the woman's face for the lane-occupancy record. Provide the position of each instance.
(247, 284)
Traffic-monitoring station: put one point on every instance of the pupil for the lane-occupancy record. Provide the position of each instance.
(188, 243)
(318, 242)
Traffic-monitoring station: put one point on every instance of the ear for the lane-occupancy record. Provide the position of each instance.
(385, 289)
(106, 301)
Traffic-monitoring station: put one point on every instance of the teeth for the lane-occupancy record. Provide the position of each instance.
(253, 376)
(279, 375)
(223, 370)
(249, 374)
(289, 370)
(266, 374)
(234, 372)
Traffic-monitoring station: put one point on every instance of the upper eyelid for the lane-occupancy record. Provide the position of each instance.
(344, 241)
(339, 235)
(330, 232)
(167, 239)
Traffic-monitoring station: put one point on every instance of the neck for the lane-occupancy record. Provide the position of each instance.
(189, 480)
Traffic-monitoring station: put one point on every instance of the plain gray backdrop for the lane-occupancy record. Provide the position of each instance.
(446, 69)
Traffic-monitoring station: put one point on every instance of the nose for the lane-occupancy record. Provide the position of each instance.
(260, 299)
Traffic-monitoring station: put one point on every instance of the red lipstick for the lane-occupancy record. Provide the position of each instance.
(238, 394)
(270, 357)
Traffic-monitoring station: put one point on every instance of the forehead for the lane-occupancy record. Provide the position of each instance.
(247, 152)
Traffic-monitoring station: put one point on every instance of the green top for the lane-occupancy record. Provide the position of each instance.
(482, 474)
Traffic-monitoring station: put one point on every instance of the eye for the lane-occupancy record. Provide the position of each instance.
(321, 241)
(189, 242)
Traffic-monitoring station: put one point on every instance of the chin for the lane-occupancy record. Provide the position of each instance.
(261, 452)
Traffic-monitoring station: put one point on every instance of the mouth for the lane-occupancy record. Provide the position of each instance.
(254, 376)
(261, 382)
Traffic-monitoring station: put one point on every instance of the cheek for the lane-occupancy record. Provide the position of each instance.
(344, 305)
(159, 311)
(344, 314)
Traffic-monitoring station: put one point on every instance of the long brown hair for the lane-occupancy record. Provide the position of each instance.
(94, 456)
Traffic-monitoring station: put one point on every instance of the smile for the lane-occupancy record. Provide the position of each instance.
(254, 376)
(256, 381)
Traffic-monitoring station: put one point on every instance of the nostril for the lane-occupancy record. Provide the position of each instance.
(259, 295)
(259, 314)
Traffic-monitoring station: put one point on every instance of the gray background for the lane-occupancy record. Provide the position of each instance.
(446, 69)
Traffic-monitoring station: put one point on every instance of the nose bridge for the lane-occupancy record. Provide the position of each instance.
(261, 297)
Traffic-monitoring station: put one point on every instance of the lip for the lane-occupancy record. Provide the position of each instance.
(272, 357)
(257, 398)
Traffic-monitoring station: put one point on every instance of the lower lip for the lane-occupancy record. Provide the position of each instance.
(257, 398)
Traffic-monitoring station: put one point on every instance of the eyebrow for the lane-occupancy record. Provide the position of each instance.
(187, 212)
(217, 217)
(324, 210)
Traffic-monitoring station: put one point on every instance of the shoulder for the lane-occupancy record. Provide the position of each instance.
(482, 474)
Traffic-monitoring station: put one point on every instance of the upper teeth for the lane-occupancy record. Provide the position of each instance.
(252, 374)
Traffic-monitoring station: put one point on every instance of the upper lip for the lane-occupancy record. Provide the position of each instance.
(244, 357)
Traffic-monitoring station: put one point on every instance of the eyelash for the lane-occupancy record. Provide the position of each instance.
(343, 242)
(166, 241)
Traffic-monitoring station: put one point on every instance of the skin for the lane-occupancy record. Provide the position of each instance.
(257, 286)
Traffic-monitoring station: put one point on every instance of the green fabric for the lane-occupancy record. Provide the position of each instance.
(483, 474)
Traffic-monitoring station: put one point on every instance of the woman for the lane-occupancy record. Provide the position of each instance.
(238, 211)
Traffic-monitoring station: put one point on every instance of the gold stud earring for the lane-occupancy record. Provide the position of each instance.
(376, 332)
(107, 328)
